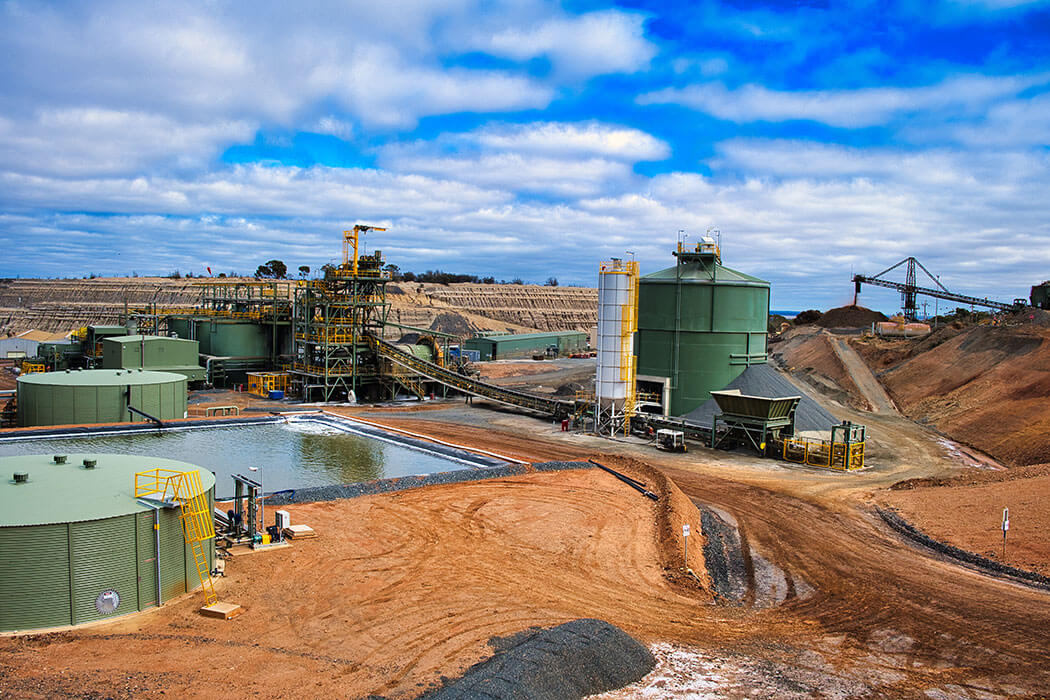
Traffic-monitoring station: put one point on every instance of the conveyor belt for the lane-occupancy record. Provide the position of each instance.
(538, 404)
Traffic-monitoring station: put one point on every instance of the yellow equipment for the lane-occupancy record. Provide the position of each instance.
(350, 241)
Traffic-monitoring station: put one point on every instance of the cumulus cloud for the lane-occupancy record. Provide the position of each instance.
(563, 159)
(857, 108)
(595, 43)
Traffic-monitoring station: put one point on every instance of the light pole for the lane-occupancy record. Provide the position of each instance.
(262, 499)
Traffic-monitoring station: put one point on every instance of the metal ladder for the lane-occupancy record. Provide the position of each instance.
(194, 513)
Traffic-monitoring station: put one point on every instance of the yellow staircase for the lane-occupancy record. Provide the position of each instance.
(195, 514)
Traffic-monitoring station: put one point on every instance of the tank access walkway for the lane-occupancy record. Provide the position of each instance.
(547, 406)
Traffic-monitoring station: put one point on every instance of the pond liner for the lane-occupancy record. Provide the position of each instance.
(312, 494)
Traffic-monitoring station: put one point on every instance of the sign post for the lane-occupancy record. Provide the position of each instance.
(685, 536)
(1006, 528)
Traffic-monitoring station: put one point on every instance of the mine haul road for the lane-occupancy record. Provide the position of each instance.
(893, 618)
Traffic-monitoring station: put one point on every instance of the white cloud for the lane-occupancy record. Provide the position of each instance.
(591, 44)
(563, 159)
(93, 141)
(857, 108)
(573, 139)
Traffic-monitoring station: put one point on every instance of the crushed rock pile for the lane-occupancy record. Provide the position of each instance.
(764, 380)
(850, 317)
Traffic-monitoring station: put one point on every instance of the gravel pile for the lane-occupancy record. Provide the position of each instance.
(724, 558)
(764, 380)
(850, 317)
(570, 661)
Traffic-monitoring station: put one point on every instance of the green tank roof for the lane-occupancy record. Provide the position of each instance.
(63, 493)
(715, 273)
(99, 377)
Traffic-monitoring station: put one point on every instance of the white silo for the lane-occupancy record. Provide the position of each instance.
(614, 385)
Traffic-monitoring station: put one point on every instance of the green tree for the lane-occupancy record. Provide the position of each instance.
(272, 269)
(551, 282)
(304, 270)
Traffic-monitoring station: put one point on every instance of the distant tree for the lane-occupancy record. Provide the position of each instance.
(488, 280)
(551, 282)
(517, 280)
(222, 274)
(272, 269)
(394, 270)
(304, 270)
(408, 276)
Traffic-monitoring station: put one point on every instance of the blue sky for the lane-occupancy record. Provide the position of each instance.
(531, 139)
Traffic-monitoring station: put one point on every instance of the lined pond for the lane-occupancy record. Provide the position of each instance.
(289, 455)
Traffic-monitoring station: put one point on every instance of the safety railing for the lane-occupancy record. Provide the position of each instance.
(824, 453)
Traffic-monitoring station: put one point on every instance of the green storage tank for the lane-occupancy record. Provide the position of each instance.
(76, 545)
(232, 338)
(700, 324)
(76, 397)
(153, 352)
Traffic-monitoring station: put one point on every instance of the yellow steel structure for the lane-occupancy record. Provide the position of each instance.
(186, 489)
(351, 239)
(262, 383)
(30, 367)
(840, 456)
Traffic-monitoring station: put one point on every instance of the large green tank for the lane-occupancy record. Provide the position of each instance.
(700, 324)
(232, 338)
(74, 397)
(77, 546)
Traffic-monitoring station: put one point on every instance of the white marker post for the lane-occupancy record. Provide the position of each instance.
(1006, 528)
(685, 535)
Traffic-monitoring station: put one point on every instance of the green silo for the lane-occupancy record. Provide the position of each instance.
(700, 324)
(77, 546)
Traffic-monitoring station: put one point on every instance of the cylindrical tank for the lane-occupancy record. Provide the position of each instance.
(99, 396)
(700, 324)
(77, 546)
(233, 338)
(617, 322)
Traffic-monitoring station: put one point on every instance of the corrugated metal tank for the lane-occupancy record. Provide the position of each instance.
(99, 396)
(232, 338)
(700, 324)
(73, 538)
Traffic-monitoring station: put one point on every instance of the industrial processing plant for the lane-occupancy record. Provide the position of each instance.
(302, 482)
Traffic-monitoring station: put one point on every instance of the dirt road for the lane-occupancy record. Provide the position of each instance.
(863, 377)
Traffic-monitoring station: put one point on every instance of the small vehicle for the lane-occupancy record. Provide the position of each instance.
(670, 440)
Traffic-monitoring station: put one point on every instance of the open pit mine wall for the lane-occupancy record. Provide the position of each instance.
(531, 306)
(61, 305)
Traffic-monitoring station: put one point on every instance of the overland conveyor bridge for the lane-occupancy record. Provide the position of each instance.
(548, 406)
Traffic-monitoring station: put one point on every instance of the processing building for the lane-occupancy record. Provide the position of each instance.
(155, 353)
(76, 545)
(700, 324)
(523, 345)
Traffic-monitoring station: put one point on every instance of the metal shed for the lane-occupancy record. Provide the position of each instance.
(76, 546)
(17, 348)
(502, 347)
(153, 352)
(75, 397)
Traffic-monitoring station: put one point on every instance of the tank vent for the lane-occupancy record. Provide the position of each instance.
(90, 463)
(60, 459)
(21, 477)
